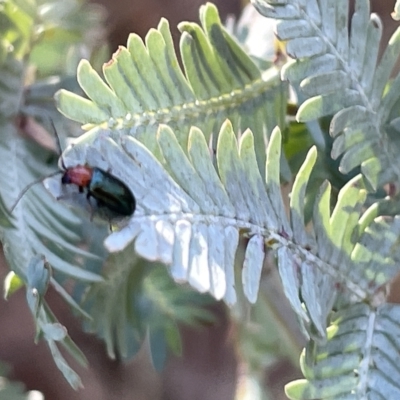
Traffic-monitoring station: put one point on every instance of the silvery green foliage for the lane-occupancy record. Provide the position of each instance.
(149, 305)
(47, 326)
(38, 225)
(190, 215)
(144, 86)
(199, 191)
(40, 231)
(359, 360)
(339, 74)
(192, 206)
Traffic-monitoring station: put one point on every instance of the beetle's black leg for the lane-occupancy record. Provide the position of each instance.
(81, 191)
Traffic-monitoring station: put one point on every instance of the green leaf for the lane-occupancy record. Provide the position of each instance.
(340, 74)
(158, 348)
(12, 283)
(147, 300)
(190, 216)
(37, 225)
(144, 87)
(358, 359)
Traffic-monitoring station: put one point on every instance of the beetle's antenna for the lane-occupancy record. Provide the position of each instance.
(39, 180)
(56, 135)
(26, 188)
(58, 141)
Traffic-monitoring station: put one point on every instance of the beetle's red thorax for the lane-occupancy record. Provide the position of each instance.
(80, 175)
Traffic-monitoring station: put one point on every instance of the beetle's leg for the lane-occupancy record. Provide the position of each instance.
(81, 191)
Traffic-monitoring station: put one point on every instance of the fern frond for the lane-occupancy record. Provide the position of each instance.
(144, 87)
(190, 216)
(38, 225)
(148, 302)
(24, 161)
(359, 359)
(340, 75)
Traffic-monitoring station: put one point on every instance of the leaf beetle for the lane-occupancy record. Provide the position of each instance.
(106, 189)
(111, 194)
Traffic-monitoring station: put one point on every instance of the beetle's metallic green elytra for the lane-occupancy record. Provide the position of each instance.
(109, 191)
